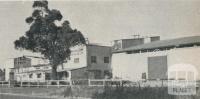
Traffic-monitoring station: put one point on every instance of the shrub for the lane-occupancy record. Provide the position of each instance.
(121, 92)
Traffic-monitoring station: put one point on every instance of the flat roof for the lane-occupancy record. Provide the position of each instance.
(163, 44)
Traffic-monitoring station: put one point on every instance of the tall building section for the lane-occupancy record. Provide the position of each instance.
(23, 61)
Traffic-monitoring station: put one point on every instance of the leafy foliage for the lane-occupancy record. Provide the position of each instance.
(47, 38)
(122, 92)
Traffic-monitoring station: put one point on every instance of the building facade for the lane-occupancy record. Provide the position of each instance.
(23, 61)
(86, 62)
(40, 72)
(89, 61)
(152, 60)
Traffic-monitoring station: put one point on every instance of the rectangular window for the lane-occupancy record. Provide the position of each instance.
(106, 60)
(76, 60)
(30, 75)
(39, 75)
(46, 67)
(93, 59)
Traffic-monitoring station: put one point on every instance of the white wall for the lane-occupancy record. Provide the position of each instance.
(36, 61)
(22, 74)
(185, 56)
(25, 77)
(9, 63)
(76, 52)
(131, 66)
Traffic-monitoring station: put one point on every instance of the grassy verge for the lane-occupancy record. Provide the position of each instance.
(107, 92)
(121, 92)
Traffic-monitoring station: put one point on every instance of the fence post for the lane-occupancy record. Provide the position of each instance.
(88, 82)
(9, 84)
(20, 83)
(2, 83)
(58, 84)
(121, 82)
(47, 83)
(70, 81)
(38, 84)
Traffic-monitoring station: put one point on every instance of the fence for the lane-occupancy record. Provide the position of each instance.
(60, 83)
(87, 82)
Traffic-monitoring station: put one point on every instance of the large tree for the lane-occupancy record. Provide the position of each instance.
(44, 36)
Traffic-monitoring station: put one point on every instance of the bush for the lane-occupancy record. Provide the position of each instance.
(121, 92)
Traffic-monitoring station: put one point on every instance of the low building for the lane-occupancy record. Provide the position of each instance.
(152, 60)
(86, 62)
(40, 72)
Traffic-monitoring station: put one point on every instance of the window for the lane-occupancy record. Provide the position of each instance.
(39, 75)
(106, 59)
(76, 60)
(93, 59)
(46, 67)
(24, 75)
(47, 76)
(30, 75)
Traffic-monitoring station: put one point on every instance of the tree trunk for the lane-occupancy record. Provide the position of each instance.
(54, 73)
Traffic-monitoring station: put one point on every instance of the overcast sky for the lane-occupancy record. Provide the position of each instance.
(104, 21)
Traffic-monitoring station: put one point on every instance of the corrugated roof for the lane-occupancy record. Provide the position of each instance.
(163, 44)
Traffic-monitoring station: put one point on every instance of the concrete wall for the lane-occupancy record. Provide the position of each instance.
(80, 73)
(185, 56)
(96, 70)
(100, 52)
(131, 66)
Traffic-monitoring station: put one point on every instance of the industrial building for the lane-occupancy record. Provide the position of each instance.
(134, 59)
(89, 61)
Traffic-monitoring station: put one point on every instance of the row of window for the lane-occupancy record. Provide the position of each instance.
(38, 75)
(93, 59)
(22, 61)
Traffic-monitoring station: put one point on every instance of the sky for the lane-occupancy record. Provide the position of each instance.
(104, 21)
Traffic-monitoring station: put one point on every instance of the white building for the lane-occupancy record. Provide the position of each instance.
(152, 60)
(86, 61)
(34, 73)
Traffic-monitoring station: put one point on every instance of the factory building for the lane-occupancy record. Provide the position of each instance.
(153, 60)
(89, 61)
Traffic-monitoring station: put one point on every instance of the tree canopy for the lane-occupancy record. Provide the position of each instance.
(45, 37)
